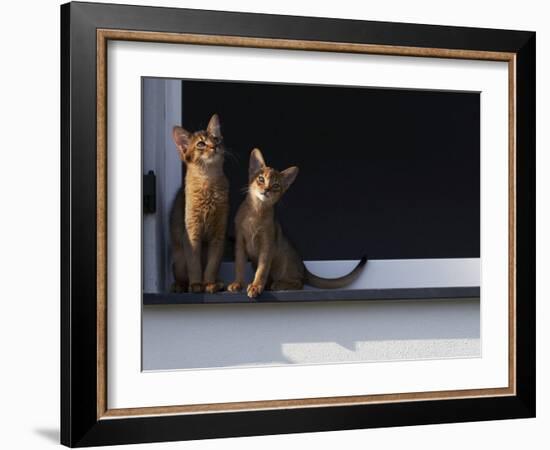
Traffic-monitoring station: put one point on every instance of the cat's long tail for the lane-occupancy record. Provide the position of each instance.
(335, 283)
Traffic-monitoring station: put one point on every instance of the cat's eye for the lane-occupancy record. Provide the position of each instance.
(201, 144)
(276, 186)
(261, 179)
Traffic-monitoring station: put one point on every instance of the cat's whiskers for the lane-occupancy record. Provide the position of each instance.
(261, 196)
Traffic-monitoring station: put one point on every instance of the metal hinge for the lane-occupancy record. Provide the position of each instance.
(149, 193)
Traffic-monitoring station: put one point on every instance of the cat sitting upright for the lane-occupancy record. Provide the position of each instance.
(259, 237)
(198, 217)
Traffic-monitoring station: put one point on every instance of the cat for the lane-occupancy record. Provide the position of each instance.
(198, 217)
(259, 237)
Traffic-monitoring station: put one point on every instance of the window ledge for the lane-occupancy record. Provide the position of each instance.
(423, 293)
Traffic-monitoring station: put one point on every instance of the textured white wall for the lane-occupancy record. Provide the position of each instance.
(185, 336)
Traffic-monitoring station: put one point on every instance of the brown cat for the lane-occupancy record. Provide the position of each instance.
(259, 237)
(198, 217)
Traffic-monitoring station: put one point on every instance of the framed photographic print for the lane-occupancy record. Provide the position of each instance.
(276, 224)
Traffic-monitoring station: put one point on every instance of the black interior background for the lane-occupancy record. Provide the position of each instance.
(387, 173)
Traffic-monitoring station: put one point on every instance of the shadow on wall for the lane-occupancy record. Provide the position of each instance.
(206, 336)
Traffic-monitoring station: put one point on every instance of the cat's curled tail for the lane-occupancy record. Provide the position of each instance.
(335, 283)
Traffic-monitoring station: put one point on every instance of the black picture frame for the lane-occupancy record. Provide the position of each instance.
(80, 424)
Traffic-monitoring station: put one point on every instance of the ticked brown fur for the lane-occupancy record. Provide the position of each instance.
(259, 237)
(199, 213)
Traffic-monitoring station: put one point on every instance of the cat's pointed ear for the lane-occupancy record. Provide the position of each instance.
(289, 175)
(256, 162)
(181, 138)
(214, 127)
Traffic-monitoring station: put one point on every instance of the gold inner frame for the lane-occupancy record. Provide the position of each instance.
(104, 35)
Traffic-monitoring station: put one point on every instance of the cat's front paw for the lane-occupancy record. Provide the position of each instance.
(253, 290)
(235, 287)
(211, 288)
(195, 288)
